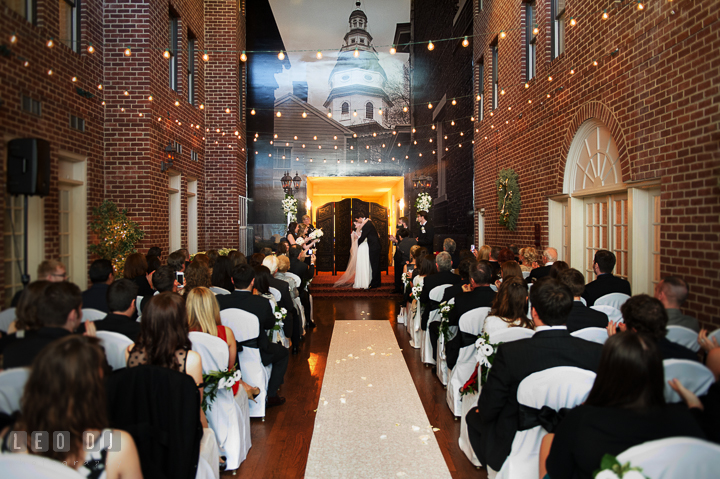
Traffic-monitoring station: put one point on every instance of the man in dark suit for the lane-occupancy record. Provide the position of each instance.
(464, 271)
(243, 278)
(427, 232)
(306, 273)
(493, 424)
(495, 263)
(101, 275)
(121, 297)
(444, 276)
(370, 234)
(580, 315)
(606, 283)
(477, 294)
(549, 257)
(450, 246)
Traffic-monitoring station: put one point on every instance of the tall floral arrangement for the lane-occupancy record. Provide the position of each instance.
(290, 205)
(117, 234)
(423, 202)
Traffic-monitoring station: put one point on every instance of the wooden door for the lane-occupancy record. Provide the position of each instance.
(379, 217)
(326, 246)
(343, 229)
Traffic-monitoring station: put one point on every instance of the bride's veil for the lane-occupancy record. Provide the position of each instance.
(348, 278)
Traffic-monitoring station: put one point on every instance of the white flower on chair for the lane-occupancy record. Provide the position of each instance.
(606, 475)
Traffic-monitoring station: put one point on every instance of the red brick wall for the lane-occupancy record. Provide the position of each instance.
(659, 97)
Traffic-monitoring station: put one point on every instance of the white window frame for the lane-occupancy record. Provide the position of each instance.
(72, 177)
(174, 212)
(192, 206)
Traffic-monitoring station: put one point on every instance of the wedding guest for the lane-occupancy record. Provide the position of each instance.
(292, 322)
(558, 267)
(306, 243)
(307, 222)
(164, 279)
(549, 256)
(49, 270)
(507, 270)
(101, 275)
(606, 283)
(427, 233)
(417, 252)
(201, 258)
(136, 270)
(291, 234)
(493, 424)
(625, 407)
(580, 315)
(529, 258)
(65, 393)
(306, 273)
(155, 251)
(270, 353)
(212, 255)
(26, 314)
(443, 276)
(176, 261)
(203, 315)
(222, 273)
(256, 259)
(495, 262)
(509, 308)
(450, 247)
(197, 275)
(59, 313)
(483, 253)
(505, 254)
(672, 292)
(284, 267)
(466, 265)
(121, 299)
(153, 263)
(237, 258)
(402, 255)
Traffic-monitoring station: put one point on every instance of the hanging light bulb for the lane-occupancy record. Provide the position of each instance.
(503, 34)
(431, 46)
(329, 114)
(452, 123)
(573, 22)
(393, 50)
(100, 86)
(318, 55)
(177, 103)
(527, 85)
(202, 106)
(549, 77)
(126, 93)
(281, 56)
(243, 57)
(150, 98)
(227, 110)
(304, 114)
(472, 118)
(354, 112)
(640, 6)
(166, 54)
(13, 38)
(465, 42)
(595, 63)
(206, 57)
(405, 109)
(429, 106)
(49, 72)
(128, 52)
(74, 79)
(380, 112)
(502, 92)
(454, 101)
(252, 112)
(536, 30)
(605, 15)
(433, 126)
(278, 114)
(50, 43)
(572, 72)
(356, 53)
(478, 98)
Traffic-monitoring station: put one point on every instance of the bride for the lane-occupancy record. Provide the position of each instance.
(358, 271)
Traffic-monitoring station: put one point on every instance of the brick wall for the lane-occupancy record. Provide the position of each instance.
(658, 95)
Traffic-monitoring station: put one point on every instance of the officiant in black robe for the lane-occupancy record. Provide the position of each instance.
(370, 234)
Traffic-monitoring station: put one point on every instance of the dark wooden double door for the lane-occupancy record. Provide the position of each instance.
(336, 221)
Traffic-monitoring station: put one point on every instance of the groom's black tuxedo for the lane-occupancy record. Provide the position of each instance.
(370, 234)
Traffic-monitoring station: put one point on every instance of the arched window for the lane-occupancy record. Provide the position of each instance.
(369, 111)
(345, 108)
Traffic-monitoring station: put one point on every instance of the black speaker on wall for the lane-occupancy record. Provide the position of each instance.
(28, 167)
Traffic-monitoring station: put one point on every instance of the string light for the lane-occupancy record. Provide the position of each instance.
(502, 92)
(126, 93)
(454, 102)
(640, 6)
(393, 50)
(150, 98)
(380, 112)
(49, 72)
(595, 63)
(90, 48)
(477, 98)
(465, 42)
(243, 57)
(318, 55)
(527, 85)
(536, 30)
(13, 38)
(304, 114)
(549, 77)
(356, 53)
(177, 103)
(128, 52)
(431, 47)
(573, 22)
(503, 34)
(354, 112)
(329, 114)
(50, 43)
(572, 72)
(74, 79)
(452, 123)
(405, 109)
(166, 54)
(206, 57)
(429, 106)
(281, 56)
(605, 15)
(202, 106)
(278, 114)
(252, 112)
(227, 110)
(99, 85)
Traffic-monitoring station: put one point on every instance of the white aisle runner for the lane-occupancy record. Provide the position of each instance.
(370, 421)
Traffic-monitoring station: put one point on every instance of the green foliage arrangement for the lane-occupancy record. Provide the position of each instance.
(117, 234)
(508, 198)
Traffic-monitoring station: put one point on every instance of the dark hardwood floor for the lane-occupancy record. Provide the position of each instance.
(281, 443)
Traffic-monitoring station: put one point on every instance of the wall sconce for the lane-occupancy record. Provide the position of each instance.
(170, 151)
(401, 204)
(290, 184)
(422, 183)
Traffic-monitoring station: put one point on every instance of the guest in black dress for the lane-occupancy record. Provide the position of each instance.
(625, 407)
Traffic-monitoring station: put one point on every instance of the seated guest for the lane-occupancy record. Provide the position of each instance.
(121, 298)
(495, 262)
(155, 251)
(212, 255)
(65, 393)
(483, 253)
(283, 267)
(153, 263)
(477, 294)
(509, 308)
(201, 258)
(165, 279)
(204, 316)
(26, 311)
(672, 293)
(549, 256)
(557, 268)
(402, 256)
(464, 272)
(48, 270)
(59, 313)
(256, 259)
(292, 324)
(136, 270)
(237, 258)
(444, 276)
(306, 273)
(197, 274)
(529, 259)
(645, 314)
(270, 353)
(222, 273)
(580, 315)
(606, 283)
(282, 248)
(505, 254)
(493, 424)
(101, 276)
(449, 246)
(509, 269)
(163, 340)
(625, 407)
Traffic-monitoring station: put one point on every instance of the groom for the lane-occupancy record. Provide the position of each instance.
(370, 234)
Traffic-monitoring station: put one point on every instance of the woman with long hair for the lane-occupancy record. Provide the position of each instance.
(483, 253)
(625, 407)
(292, 232)
(65, 393)
(164, 341)
(204, 316)
(136, 270)
(509, 308)
(26, 314)
(197, 274)
(222, 274)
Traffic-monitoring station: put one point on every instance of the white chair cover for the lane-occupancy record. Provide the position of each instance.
(115, 345)
(24, 466)
(301, 311)
(470, 322)
(693, 375)
(223, 414)
(138, 307)
(582, 300)
(276, 293)
(6, 317)
(219, 290)
(90, 314)
(209, 460)
(675, 458)
(510, 334)
(416, 335)
(295, 278)
(12, 385)
(442, 370)
(246, 326)
(560, 387)
(436, 294)
(684, 337)
(596, 335)
(468, 402)
(526, 274)
(613, 313)
(402, 315)
(613, 299)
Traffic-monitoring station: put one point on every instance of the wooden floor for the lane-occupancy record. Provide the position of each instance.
(280, 444)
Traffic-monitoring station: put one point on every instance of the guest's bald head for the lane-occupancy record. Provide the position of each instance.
(550, 254)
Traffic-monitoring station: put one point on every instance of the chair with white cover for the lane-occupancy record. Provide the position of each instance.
(468, 401)
(471, 323)
(22, 466)
(556, 388)
(276, 294)
(224, 415)
(696, 377)
(138, 307)
(596, 335)
(114, 345)
(209, 460)
(510, 334)
(6, 318)
(90, 314)
(675, 458)
(298, 303)
(436, 294)
(616, 300)
(684, 337)
(442, 370)
(246, 327)
(715, 334)
(12, 385)
(218, 290)
(416, 332)
(612, 312)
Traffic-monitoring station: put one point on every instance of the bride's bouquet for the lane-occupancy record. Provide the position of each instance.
(316, 234)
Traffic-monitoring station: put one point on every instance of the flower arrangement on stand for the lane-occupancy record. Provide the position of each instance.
(290, 205)
(423, 202)
(215, 380)
(610, 468)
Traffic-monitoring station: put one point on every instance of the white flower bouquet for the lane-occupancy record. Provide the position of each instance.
(280, 315)
(486, 352)
(289, 205)
(423, 202)
(610, 468)
(316, 234)
(445, 308)
(416, 292)
(215, 380)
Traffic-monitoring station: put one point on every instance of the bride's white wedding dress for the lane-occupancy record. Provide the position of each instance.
(358, 278)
